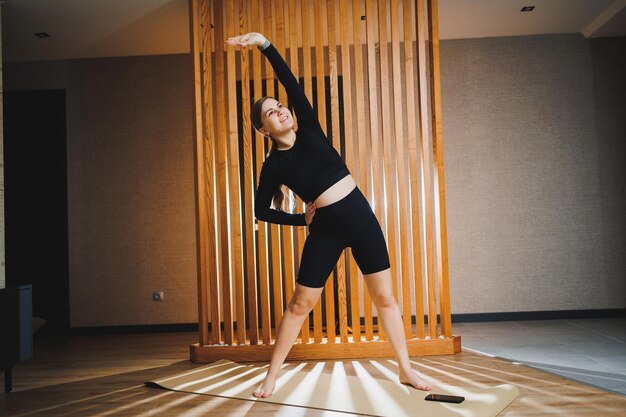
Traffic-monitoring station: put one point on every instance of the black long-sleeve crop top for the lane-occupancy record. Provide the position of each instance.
(309, 167)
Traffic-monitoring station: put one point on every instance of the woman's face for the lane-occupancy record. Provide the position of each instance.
(276, 119)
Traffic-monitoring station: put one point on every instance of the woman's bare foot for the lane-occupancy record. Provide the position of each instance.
(411, 378)
(266, 388)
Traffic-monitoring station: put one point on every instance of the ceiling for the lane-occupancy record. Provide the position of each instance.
(107, 28)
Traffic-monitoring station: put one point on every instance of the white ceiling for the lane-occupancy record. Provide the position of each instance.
(106, 28)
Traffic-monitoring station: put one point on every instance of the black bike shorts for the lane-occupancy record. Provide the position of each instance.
(349, 222)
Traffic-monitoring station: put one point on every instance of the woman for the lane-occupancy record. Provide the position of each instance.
(309, 165)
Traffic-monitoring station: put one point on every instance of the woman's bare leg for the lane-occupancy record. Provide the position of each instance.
(301, 304)
(380, 287)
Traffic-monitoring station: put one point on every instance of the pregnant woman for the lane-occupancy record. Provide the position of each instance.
(337, 213)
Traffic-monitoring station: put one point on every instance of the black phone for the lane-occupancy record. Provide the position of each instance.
(444, 398)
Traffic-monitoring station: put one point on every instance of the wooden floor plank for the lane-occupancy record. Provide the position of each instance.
(104, 375)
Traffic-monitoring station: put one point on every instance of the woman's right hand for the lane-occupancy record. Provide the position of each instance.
(310, 213)
(251, 38)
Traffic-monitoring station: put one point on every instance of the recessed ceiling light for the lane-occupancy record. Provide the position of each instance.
(42, 35)
(527, 8)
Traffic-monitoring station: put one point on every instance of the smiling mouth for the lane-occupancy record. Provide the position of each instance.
(285, 118)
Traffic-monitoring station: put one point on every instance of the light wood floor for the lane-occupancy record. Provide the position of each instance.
(104, 375)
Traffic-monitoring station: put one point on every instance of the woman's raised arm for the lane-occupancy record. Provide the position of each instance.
(302, 106)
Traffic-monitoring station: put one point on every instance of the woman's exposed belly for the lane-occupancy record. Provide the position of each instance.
(336, 192)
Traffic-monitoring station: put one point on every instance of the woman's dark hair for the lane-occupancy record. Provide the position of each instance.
(255, 116)
(255, 113)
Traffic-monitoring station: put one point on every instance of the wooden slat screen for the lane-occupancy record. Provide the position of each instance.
(363, 63)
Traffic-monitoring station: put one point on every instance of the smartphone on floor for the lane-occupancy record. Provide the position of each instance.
(444, 398)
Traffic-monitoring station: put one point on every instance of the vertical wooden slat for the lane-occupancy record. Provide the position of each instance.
(387, 201)
(209, 126)
(364, 148)
(293, 19)
(200, 176)
(234, 178)
(294, 31)
(345, 16)
(250, 254)
(319, 24)
(277, 281)
(277, 276)
(308, 90)
(359, 126)
(352, 157)
(412, 150)
(336, 138)
(220, 97)
(386, 124)
(355, 308)
(371, 26)
(399, 110)
(273, 255)
(286, 231)
(296, 23)
(266, 332)
(426, 166)
(439, 181)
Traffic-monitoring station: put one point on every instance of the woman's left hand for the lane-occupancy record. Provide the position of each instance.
(251, 38)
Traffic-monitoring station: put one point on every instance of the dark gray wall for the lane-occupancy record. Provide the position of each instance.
(609, 86)
(130, 185)
(534, 135)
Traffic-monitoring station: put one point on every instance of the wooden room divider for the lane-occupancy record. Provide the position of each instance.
(363, 64)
